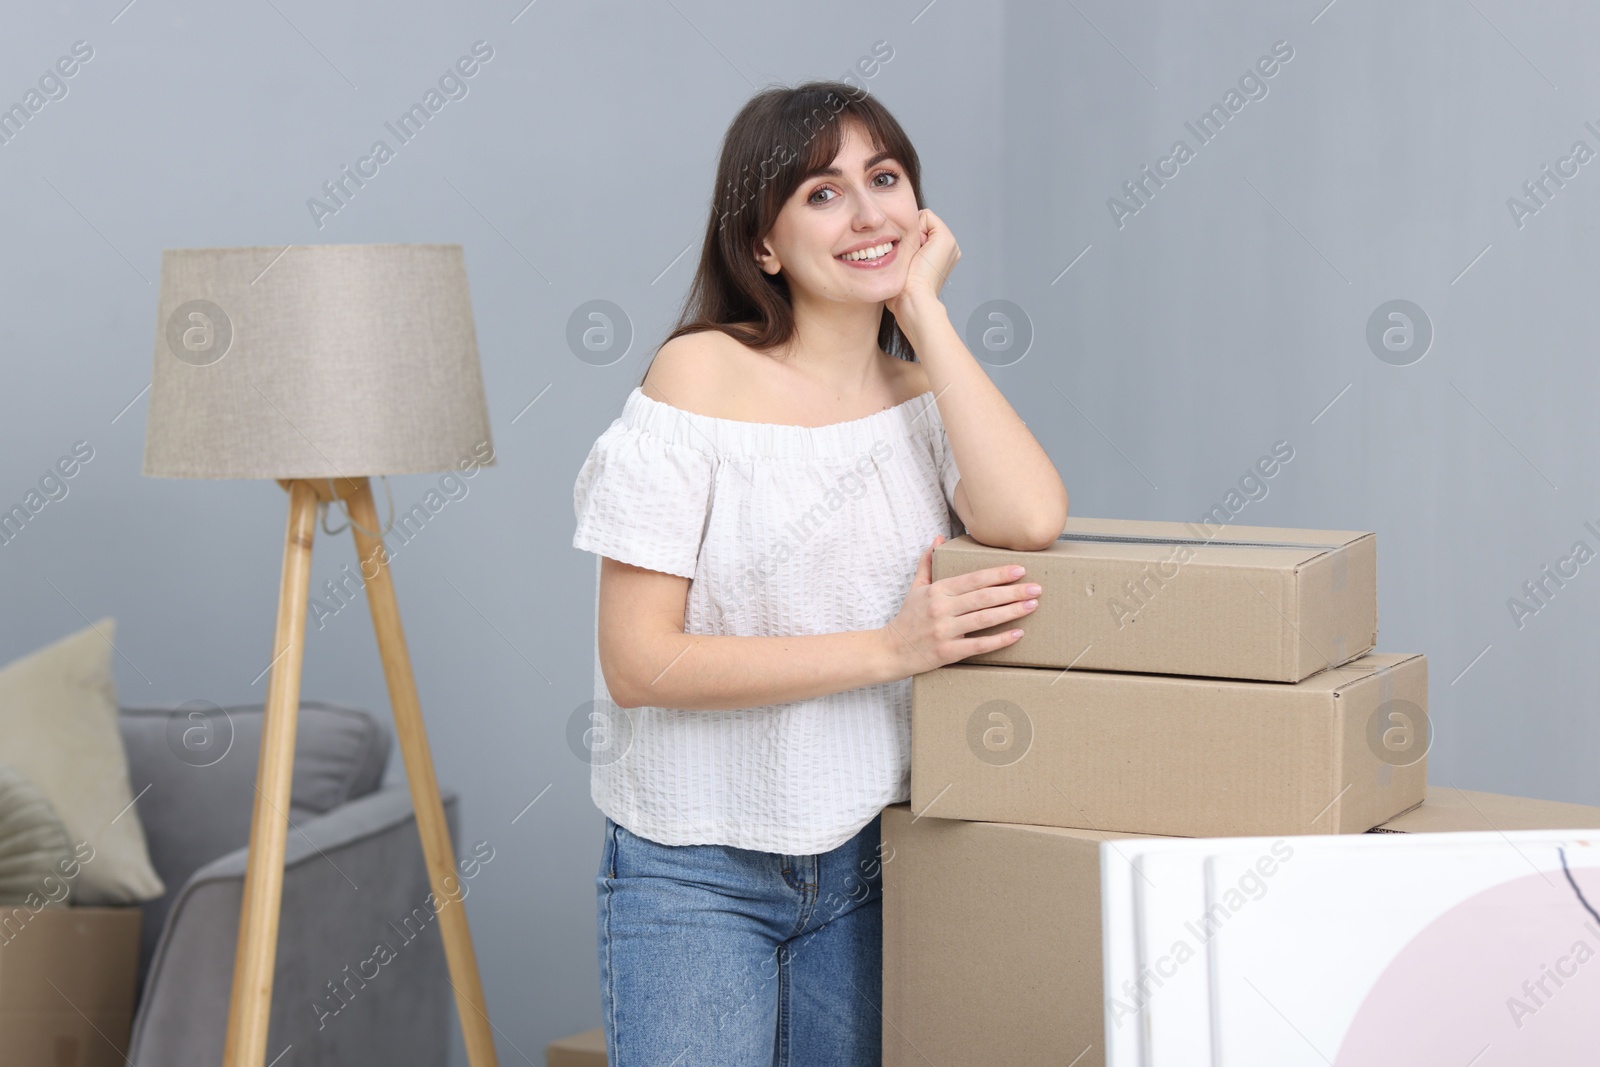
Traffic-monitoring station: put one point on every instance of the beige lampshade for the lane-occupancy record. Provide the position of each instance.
(322, 361)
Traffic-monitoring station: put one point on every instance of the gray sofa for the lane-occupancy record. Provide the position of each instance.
(354, 880)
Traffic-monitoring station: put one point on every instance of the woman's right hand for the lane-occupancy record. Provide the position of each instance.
(930, 629)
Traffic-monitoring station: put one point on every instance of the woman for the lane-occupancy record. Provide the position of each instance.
(765, 511)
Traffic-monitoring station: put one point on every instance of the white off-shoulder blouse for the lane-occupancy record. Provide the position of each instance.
(784, 530)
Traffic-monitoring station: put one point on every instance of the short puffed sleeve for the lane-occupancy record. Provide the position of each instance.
(643, 499)
(949, 474)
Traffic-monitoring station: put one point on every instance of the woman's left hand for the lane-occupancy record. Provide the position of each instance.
(930, 265)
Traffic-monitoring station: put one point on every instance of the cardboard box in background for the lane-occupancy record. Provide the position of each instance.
(1264, 603)
(1161, 754)
(587, 1049)
(1450, 810)
(67, 977)
(992, 947)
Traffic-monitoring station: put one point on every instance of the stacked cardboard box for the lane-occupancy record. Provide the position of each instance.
(1175, 680)
(1180, 681)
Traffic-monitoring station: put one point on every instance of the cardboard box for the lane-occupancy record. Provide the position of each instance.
(1161, 754)
(67, 977)
(587, 1049)
(1451, 810)
(991, 943)
(1265, 603)
(992, 946)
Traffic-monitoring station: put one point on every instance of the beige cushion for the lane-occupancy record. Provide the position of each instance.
(35, 852)
(58, 726)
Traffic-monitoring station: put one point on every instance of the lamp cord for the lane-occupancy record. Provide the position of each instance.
(349, 520)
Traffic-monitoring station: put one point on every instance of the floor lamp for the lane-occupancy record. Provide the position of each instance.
(320, 366)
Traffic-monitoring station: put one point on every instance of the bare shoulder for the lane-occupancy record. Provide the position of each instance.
(678, 367)
(710, 373)
(706, 373)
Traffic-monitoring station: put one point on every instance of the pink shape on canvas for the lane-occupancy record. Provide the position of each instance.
(1507, 978)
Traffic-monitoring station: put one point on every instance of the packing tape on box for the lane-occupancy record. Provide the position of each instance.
(1141, 539)
(1338, 569)
(1385, 694)
(1338, 572)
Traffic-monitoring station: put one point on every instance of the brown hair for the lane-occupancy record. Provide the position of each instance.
(778, 140)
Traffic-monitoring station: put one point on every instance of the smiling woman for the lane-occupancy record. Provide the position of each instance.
(764, 510)
(776, 144)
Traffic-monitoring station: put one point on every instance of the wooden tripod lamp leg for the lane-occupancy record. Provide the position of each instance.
(250, 1008)
(413, 737)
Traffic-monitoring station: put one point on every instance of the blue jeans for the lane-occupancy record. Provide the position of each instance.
(715, 956)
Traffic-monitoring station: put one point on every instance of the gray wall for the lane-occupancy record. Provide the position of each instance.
(1228, 313)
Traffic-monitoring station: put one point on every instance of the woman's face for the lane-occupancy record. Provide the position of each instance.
(867, 202)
